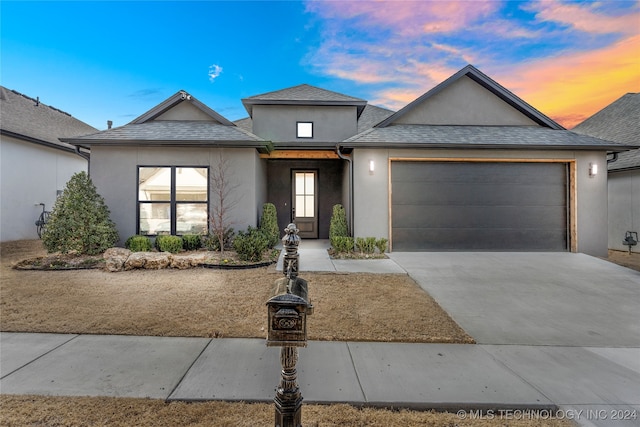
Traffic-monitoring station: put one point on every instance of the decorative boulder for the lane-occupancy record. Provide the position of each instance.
(157, 260)
(115, 258)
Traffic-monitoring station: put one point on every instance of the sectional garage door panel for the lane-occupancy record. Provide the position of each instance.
(479, 206)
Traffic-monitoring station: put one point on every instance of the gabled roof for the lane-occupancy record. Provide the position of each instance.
(303, 94)
(147, 131)
(30, 120)
(488, 83)
(620, 122)
(171, 102)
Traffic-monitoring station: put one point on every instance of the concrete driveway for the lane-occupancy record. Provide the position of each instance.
(559, 299)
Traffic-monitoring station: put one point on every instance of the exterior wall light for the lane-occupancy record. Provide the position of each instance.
(593, 169)
(372, 166)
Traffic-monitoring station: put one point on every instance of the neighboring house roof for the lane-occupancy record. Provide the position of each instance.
(620, 122)
(156, 128)
(488, 83)
(29, 119)
(369, 117)
(303, 94)
(522, 137)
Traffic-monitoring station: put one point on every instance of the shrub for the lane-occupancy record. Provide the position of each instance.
(192, 242)
(80, 220)
(338, 226)
(167, 243)
(366, 244)
(250, 245)
(138, 244)
(212, 241)
(342, 244)
(269, 224)
(381, 244)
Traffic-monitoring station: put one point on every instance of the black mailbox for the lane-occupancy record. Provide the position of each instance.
(287, 313)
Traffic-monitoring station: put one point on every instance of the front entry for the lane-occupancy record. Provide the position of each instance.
(305, 203)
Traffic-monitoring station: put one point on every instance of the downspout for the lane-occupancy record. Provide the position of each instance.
(86, 157)
(614, 158)
(351, 207)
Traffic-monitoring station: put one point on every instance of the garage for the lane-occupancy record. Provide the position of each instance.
(479, 206)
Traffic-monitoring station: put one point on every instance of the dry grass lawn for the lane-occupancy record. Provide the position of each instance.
(203, 302)
(119, 412)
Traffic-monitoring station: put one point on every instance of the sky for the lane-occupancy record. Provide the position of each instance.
(115, 60)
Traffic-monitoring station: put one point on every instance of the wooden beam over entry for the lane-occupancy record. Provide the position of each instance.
(300, 154)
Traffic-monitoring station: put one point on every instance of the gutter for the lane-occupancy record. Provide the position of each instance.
(613, 159)
(351, 206)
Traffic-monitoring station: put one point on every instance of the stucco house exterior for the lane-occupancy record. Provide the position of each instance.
(35, 164)
(620, 122)
(467, 166)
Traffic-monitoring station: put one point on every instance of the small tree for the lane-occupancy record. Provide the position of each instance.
(269, 224)
(338, 226)
(79, 221)
(224, 200)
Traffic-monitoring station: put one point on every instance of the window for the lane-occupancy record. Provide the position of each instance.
(172, 200)
(305, 129)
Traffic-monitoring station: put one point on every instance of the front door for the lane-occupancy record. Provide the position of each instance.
(305, 203)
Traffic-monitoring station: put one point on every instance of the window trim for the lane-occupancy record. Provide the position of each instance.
(173, 203)
(298, 123)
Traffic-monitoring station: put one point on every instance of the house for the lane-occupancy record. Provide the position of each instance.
(466, 166)
(620, 122)
(35, 165)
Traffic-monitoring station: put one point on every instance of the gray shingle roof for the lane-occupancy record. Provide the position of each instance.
(523, 137)
(620, 122)
(172, 133)
(303, 94)
(26, 118)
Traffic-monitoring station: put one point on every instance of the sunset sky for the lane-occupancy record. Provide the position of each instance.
(115, 60)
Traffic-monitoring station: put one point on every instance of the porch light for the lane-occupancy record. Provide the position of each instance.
(593, 169)
(372, 166)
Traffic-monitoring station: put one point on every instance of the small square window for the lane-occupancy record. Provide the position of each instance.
(305, 130)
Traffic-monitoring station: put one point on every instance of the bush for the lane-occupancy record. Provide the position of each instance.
(342, 244)
(250, 245)
(366, 244)
(80, 220)
(269, 224)
(192, 242)
(167, 243)
(138, 244)
(212, 242)
(381, 244)
(338, 226)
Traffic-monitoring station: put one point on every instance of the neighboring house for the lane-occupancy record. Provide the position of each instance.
(467, 166)
(620, 122)
(35, 165)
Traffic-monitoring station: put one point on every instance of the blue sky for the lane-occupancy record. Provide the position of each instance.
(115, 60)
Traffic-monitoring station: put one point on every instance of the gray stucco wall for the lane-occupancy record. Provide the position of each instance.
(30, 174)
(330, 123)
(465, 102)
(371, 198)
(624, 207)
(114, 172)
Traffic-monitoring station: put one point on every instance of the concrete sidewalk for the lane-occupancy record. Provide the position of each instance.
(421, 376)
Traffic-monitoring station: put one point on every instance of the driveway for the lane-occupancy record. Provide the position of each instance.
(559, 299)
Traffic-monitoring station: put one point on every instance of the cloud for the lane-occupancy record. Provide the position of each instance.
(214, 71)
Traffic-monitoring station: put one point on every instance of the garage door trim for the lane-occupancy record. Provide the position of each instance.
(571, 186)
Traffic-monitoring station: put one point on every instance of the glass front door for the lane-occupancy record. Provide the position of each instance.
(305, 203)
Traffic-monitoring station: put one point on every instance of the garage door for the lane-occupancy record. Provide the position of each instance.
(492, 206)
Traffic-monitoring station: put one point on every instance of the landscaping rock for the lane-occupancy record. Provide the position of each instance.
(157, 260)
(115, 258)
(136, 260)
(183, 262)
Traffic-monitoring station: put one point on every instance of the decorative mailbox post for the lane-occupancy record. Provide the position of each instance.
(287, 328)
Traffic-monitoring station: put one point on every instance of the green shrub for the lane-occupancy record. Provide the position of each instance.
(342, 244)
(138, 244)
(167, 243)
(366, 244)
(338, 226)
(269, 224)
(79, 220)
(381, 244)
(250, 245)
(212, 242)
(192, 242)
